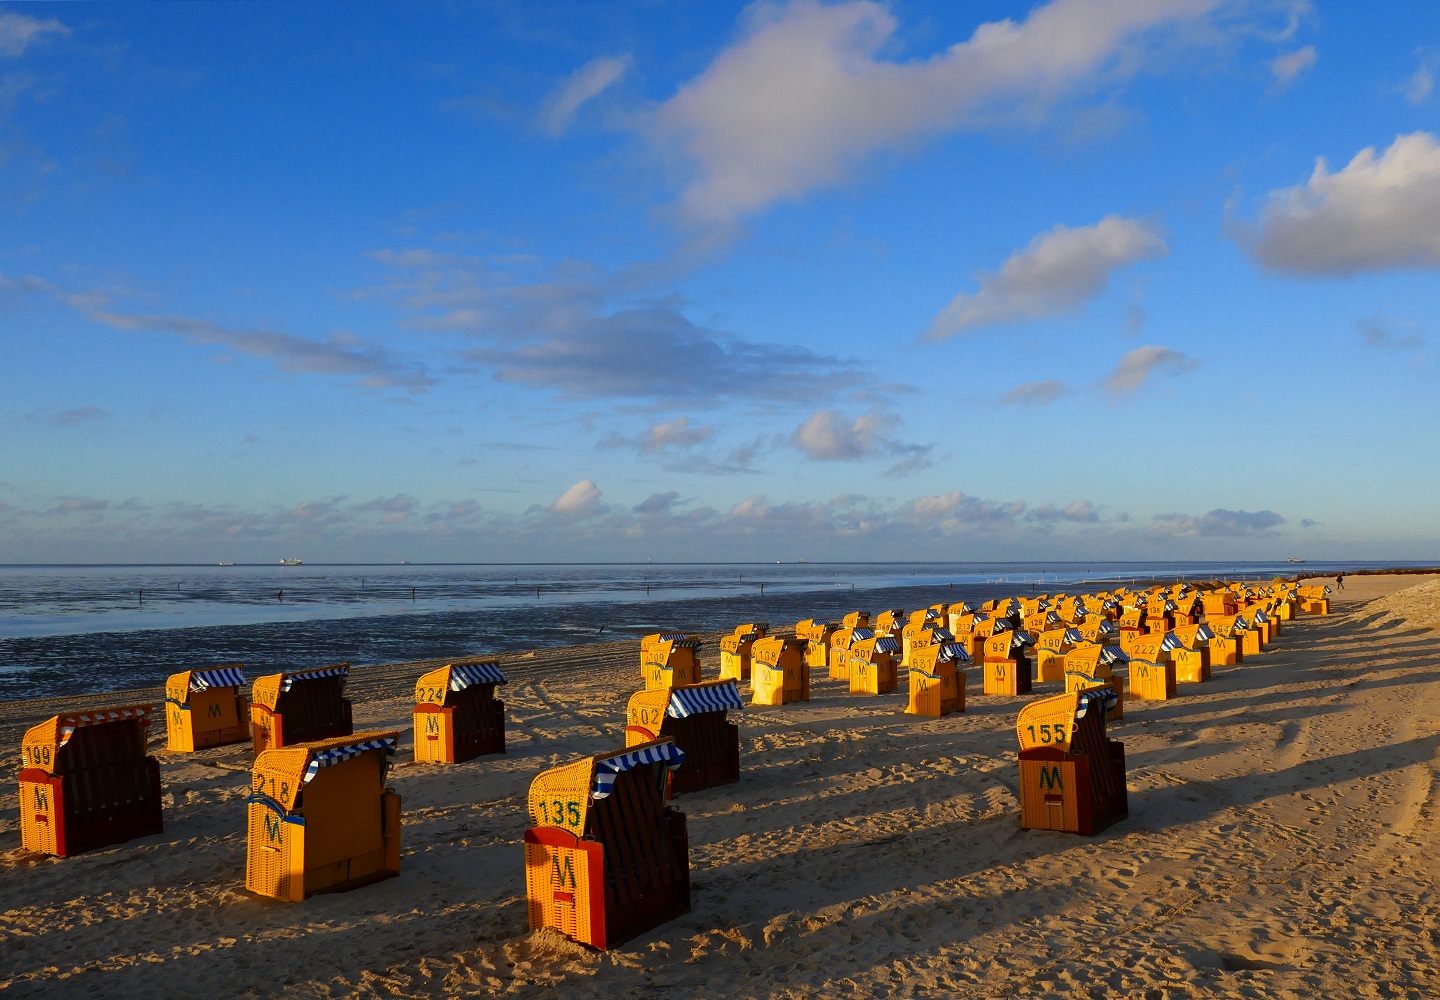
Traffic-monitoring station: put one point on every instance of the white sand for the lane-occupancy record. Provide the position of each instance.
(1281, 843)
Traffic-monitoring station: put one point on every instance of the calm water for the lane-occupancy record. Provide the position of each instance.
(66, 629)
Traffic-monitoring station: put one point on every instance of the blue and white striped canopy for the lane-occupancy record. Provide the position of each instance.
(941, 634)
(931, 613)
(461, 677)
(953, 651)
(687, 701)
(339, 670)
(1022, 638)
(607, 768)
(1073, 635)
(671, 636)
(1260, 617)
(1204, 633)
(1103, 699)
(887, 644)
(219, 677)
(1111, 655)
(861, 634)
(338, 755)
(1171, 642)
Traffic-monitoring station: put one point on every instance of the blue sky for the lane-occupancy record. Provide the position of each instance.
(1087, 279)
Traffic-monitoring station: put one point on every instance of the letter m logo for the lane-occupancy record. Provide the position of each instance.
(272, 827)
(432, 722)
(1050, 778)
(216, 711)
(42, 797)
(563, 873)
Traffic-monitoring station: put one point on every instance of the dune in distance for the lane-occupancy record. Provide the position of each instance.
(1280, 843)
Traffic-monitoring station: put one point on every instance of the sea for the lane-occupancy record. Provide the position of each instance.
(90, 629)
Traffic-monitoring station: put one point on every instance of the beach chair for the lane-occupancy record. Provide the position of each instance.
(778, 671)
(457, 716)
(873, 665)
(1219, 602)
(817, 636)
(694, 717)
(321, 818)
(1098, 628)
(1072, 777)
(86, 782)
(1092, 665)
(1244, 640)
(670, 659)
(299, 706)
(1041, 621)
(889, 621)
(1050, 649)
(205, 708)
(1132, 619)
(1192, 660)
(1006, 662)
(735, 650)
(1188, 609)
(856, 619)
(1159, 614)
(1151, 681)
(937, 684)
(605, 859)
(840, 644)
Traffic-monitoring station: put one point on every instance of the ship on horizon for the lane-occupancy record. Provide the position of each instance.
(292, 562)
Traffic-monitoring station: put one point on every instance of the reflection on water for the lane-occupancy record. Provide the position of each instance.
(66, 629)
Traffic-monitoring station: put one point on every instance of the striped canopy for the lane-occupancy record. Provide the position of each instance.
(687, 701)
(338, 755)
(861, 634)
(608, 768)
(218, 678)
(339, 670)
(70, 723)
(1073, 635)
(461, 677)
(1171, 642)
(887, 644)
(1111, 655)
(953, 651)
(1104, 699)
(672, 636)
(941, 634)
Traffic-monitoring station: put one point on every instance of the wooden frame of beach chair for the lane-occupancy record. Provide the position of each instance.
(205, 708)
(1072, 777)
(1007, 667)
(694, 717)
(1050, 649)
(321, 818)
(86, 782)
(670, 659)
(937, 682)
(817, 635)
(300, 706)
(856, 619)
(1100, 629)
(1219, 602)
(874, 665)
(778, 671)
(1132, 619)
(735, 650)
(457, 716)
(605, 858)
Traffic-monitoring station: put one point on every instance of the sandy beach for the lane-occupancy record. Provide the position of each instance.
(1280, 844)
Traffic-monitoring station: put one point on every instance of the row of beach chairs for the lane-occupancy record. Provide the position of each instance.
(606, 857)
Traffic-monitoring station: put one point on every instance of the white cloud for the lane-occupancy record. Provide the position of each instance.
(1140, 365)
(580, 500)
(670, 434)
(1060, 270)
(1035, 393)
(828, 437)
(1078, 511)
(17, 32)
(805, 95)
(1288, 66)
(1378, 213)
(1421, 83)
(585, 84)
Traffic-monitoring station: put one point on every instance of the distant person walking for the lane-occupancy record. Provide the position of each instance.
(1340, 581)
